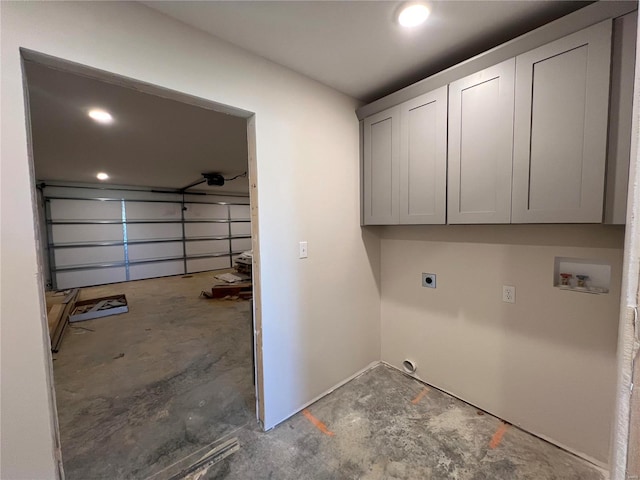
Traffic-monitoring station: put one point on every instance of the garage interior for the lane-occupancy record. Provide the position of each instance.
(355, 341)
(154, 386)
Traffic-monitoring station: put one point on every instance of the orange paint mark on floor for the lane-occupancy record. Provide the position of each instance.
(497, 437)
(419, 397)
(317, 423)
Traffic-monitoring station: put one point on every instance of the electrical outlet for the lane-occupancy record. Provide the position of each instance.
(429, 280)
(303, 250)
(508, 294)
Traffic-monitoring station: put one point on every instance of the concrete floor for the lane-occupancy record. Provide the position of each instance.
(385, 425)
(146, 394)
(140, 391)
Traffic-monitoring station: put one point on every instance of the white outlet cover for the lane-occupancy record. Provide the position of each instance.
(508, 294)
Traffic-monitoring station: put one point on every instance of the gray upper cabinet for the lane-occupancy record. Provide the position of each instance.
(529, 140)
(560, 129)
(423, 158)
(405, 162)
(481, 146)
(381, 167)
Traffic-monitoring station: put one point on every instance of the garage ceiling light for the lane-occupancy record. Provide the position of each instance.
(102, 176)
(413, 14)
(101, 116)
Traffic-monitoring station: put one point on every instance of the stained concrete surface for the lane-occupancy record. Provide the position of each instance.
(140, 391)
(184, 385)
(385, 425)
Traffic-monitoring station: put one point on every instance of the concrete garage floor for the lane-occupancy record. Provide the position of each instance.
(140, 391)
(184, 385)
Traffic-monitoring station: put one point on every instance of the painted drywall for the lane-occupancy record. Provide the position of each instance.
(627, 424)
(321, 318)
(546, 363)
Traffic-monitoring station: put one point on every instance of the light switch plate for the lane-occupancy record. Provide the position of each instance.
(303, 250)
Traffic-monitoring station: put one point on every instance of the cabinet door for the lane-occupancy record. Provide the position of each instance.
(423, 158)
(481, 146)
(381, 167)
(560, 130)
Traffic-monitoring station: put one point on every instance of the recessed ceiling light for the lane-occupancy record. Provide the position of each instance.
(413, 15)
(101, 116)
(102, 176)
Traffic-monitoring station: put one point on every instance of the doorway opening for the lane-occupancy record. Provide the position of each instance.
(150, 258)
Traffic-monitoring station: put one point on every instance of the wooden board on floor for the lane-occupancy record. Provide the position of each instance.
(231, 290)
(54, 315)
(59, 306)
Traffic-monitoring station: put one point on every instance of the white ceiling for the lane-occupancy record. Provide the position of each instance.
(153, 141)
(357, 47)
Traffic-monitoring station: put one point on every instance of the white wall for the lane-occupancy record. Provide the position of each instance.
(546, 363)
(627, 424)
(316, 332)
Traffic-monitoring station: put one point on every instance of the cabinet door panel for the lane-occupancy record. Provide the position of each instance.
(423, 158)
(480, 146)
(557, 139)
(560, 133)
(381, 167)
